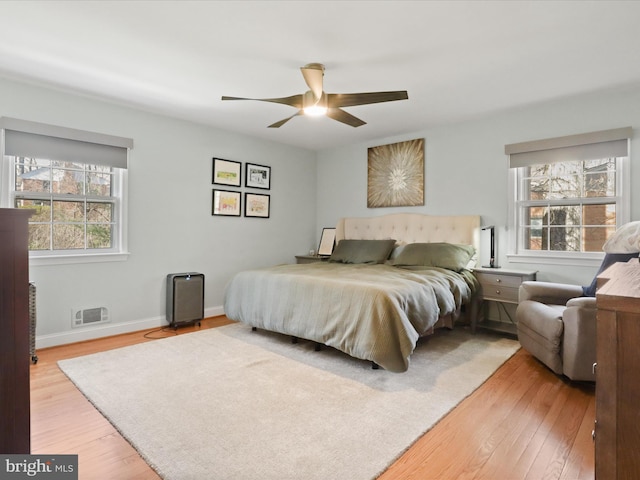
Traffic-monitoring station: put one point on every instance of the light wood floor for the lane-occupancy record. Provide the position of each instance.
(523, 423)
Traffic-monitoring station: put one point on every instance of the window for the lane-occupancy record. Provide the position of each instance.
(75, 204)
(569, 194)
(74, 181)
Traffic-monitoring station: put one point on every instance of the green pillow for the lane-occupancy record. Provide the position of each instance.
(362, 251)
(443, 255)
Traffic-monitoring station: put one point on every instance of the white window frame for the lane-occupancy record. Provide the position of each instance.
(517, 253)
(119, 250)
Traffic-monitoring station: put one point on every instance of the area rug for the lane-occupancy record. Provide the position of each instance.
(232, 404)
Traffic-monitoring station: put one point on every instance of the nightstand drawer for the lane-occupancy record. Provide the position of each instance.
(500, 293)
(496, 280)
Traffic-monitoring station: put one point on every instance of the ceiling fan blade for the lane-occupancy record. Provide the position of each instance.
(293, 101)
(336, 100)
(344, 117)
(282, 122)
(313, 73)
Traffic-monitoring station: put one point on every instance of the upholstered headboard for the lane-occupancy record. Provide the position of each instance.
(413, 228)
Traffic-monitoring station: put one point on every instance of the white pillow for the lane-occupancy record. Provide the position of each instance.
(625, 240)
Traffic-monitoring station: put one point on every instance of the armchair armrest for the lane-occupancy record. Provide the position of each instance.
(579, 343)
(583, 303)
(548, 292)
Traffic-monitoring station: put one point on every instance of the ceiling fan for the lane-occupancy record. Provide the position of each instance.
(316, 102)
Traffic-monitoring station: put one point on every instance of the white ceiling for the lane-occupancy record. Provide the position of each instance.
(457, 59)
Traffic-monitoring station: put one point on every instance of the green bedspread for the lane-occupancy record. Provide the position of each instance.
(371, 312)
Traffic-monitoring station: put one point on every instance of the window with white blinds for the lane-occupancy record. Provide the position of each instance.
(73, 180)
(569, 193)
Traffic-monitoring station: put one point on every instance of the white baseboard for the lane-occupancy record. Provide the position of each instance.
(107, 330)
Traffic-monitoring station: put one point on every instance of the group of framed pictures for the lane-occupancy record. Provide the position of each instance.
(229, 202)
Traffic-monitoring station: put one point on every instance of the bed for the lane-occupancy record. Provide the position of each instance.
(390, 280)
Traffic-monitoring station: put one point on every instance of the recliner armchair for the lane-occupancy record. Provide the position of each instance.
(557, 325)
(556, 322)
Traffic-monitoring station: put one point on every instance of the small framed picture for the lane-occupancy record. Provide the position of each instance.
(225, 203)
(226, 172)
(257, 176)
(256, 205)
(327, 242)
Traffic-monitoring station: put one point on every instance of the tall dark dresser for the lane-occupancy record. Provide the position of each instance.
(14, 332)
(617, 430)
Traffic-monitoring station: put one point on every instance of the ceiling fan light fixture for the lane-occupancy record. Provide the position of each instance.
(315, 111)
(312, 106)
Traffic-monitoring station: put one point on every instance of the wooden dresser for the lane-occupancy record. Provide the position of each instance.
(14, 332)
(617, 429)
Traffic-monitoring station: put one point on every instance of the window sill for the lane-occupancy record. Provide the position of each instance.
(41, 260)
(585, 260)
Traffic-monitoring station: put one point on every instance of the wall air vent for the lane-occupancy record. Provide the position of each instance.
(82, 317)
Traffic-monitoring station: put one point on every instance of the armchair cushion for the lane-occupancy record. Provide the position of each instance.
(540, 330)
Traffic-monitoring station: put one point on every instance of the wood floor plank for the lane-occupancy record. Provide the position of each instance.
(523, 422)
(525, 462)
(555, 449)
(493, 421)
(513, 434)
(580, 463)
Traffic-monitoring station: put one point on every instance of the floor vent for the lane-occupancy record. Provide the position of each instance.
(82, 317)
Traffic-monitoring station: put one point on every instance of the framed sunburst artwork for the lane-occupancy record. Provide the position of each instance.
(396, 174)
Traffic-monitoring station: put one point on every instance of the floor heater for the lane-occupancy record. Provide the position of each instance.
(185, 298)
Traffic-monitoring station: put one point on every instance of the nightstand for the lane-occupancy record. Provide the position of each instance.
(310, 259)
(499, 285)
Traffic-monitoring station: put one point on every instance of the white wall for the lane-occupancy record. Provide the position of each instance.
(466, 168)
(170, 226)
